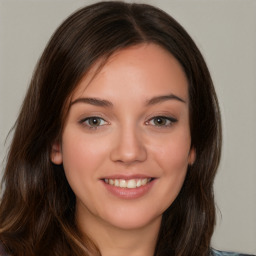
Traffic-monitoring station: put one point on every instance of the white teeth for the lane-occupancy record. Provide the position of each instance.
(116, 183)
(144, 181)
(132, 183)
(138, 183)
(122, 184)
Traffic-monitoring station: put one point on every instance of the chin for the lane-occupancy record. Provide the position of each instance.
(131, 221)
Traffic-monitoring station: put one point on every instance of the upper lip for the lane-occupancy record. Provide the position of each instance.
(127, 177)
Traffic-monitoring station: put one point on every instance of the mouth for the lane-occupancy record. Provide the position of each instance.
(128, 183)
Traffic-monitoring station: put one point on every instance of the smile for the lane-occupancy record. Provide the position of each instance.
(131, 183)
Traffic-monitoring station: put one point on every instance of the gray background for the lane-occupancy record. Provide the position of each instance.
(225, 31)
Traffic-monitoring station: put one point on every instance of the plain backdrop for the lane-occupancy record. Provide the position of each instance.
(224, 30)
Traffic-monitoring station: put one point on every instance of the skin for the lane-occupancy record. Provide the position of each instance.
(127, 140)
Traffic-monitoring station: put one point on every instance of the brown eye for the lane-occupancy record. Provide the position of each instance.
(162, 121)
(94, 121)
(159, 121)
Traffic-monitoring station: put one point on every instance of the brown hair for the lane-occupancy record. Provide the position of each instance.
(37, 207)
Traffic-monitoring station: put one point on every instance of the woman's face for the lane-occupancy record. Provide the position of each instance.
(126, 142)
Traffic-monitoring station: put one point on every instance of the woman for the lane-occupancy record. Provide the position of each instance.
(117, 143)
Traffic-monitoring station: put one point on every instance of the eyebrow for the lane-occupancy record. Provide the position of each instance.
(93, 101)
(159, 99)
(106, 103)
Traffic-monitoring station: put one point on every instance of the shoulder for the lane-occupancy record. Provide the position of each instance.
(222, 253)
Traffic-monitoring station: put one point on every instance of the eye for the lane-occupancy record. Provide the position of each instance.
(93, 122)
(161, 121)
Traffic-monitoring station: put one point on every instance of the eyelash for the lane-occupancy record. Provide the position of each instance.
(86, 121)
(168, 121)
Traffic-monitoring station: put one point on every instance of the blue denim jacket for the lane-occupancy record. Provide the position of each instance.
(222, 253)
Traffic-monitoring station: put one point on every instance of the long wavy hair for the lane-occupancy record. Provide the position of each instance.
(37, 211)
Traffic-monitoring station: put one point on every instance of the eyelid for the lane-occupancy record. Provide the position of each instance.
(171, 120)
(88, 118)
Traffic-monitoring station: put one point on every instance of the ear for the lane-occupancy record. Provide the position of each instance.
(56, 154)
(192, 156)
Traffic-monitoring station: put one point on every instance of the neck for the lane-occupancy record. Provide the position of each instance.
(115, 241)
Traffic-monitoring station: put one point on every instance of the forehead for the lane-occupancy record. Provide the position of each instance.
(145, 69)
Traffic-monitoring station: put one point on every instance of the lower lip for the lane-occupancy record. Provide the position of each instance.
(129, 193)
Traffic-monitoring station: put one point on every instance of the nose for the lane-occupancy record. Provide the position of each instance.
(128, 147)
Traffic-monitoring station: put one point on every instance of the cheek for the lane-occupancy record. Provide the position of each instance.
(173, 154)
(80, 150)
(81, 158)
(173, 161)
